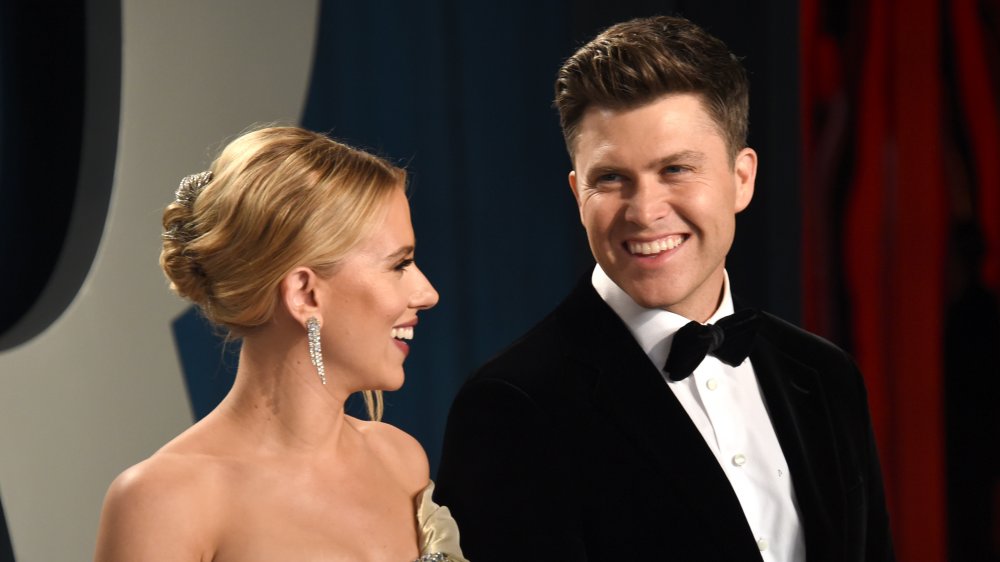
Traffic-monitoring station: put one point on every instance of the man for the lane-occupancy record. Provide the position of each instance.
(606, 432)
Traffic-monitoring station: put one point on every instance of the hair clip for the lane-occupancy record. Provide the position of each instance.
(191, 186)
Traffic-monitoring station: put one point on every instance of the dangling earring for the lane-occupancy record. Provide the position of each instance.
(315, 352)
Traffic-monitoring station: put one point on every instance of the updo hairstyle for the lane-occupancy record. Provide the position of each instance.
(275, 199)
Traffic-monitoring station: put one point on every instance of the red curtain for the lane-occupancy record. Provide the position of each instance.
(879, 198)
(978, 99)
(901, 247)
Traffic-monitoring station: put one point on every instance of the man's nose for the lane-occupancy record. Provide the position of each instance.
(647, 203)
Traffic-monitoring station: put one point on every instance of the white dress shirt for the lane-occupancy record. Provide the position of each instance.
(726, 406)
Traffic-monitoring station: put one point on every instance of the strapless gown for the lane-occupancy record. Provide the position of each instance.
(438, 530)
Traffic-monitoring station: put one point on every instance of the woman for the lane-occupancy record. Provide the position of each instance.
(303, 248)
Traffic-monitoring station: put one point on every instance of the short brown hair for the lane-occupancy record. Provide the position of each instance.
(635, 62)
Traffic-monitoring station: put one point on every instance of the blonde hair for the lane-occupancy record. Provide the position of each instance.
(276, 198)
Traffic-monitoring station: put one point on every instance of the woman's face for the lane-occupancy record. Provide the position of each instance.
(371, 303)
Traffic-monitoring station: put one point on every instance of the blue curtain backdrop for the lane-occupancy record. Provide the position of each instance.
(461, 97)
(461, 94)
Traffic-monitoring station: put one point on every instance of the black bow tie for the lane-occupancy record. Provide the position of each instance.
(730, 339)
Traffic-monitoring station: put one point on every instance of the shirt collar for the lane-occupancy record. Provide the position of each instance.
(652, 328)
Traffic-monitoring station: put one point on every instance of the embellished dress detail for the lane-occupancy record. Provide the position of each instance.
(438, 530)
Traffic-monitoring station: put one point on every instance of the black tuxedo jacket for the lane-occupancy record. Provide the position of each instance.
(569, 446)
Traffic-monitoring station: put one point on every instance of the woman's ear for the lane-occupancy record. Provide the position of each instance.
(298, 294)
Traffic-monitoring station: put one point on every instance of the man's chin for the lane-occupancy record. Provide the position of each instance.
(649, 297)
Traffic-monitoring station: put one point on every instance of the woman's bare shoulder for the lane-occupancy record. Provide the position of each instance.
(399, 451)
(171, 475)
(167, 499)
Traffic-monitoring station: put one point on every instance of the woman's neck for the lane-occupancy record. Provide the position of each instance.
(278, 400)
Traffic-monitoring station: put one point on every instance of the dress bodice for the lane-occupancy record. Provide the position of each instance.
(438, 530)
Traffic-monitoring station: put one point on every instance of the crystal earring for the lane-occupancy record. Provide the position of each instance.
(315, 352)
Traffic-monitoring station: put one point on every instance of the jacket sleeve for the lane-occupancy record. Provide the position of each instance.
(503, 478)
(878, 539)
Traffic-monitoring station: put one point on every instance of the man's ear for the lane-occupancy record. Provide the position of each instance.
(745, 173)
(298, 294)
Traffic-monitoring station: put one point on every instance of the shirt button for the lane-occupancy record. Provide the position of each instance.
(739, 460)
(712, 384)
(762, 544)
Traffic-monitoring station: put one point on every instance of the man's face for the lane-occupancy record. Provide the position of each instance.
(658, 196)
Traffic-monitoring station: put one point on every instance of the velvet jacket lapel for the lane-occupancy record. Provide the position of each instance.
(801, 418)
(630, 390)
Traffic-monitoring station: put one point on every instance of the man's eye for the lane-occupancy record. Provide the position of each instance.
(609, 178)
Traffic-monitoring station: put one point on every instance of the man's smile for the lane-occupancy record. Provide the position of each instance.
(653, 247)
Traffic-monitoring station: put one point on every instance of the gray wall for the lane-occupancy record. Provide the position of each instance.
(101, 388)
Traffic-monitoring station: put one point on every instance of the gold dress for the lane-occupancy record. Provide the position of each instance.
(438, 531)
